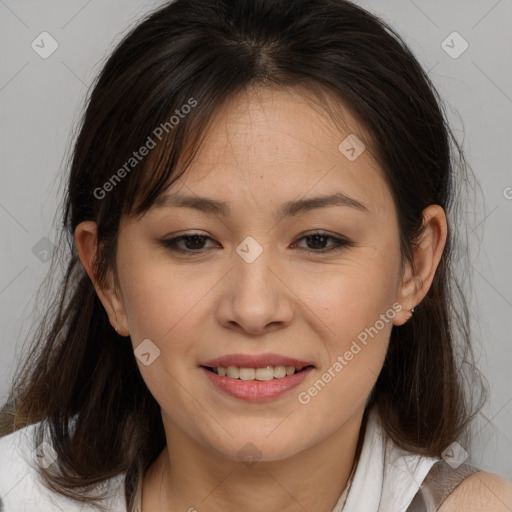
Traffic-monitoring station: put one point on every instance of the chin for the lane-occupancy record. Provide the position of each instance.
(259, 447)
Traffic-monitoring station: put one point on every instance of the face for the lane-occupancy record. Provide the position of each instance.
(269, 272)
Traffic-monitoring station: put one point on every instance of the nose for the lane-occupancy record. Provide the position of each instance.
(256, 298)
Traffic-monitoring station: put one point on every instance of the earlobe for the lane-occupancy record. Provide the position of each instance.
(407, 293)
(427, 253)
(86, 243)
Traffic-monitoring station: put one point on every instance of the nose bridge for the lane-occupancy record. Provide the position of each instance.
(256, 297)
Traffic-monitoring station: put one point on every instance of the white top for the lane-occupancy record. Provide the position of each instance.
(386, 478)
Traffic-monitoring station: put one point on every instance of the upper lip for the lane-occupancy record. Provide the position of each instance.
(255, 361)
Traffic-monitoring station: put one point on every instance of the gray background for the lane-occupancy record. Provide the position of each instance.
(40, 101)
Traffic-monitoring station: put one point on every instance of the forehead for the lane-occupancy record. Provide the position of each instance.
(263, 128)
(274, 145)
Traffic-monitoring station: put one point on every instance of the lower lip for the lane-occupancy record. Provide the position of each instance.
(256, 390)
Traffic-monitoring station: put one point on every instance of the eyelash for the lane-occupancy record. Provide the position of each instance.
(339, 243)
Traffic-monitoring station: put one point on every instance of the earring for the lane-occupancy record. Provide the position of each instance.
(411, 312)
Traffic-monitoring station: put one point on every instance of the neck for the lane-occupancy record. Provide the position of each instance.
(186, 476)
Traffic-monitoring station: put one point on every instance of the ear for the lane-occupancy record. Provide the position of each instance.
(418, 276)
(86, 243)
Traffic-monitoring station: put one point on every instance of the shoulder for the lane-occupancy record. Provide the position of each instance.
(480, 491)
(22, 488)
(15, 453)
(17, 474)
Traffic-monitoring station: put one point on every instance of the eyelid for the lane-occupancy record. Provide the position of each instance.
(340, 241)
(174, 239)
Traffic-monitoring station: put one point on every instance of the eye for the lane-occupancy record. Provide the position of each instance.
(189, 243)
(316, 242)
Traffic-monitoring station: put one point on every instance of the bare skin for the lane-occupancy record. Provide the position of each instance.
(264, 149)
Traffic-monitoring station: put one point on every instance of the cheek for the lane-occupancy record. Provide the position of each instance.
(159, 299)
(163, 305)
(360, 322)
(351, 296)
(353, 307)
(353, 357)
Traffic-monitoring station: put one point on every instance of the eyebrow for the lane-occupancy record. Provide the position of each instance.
(289, 209)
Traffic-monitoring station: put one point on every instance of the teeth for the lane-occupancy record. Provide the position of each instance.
(247, 373)
(280, 371)
(265, 373)
(233, 372)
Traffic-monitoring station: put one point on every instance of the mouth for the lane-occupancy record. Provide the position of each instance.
(263, 373)
(256, 378)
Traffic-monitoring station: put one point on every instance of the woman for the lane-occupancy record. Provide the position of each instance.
(259, 310)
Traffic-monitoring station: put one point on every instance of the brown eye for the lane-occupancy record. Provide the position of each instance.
(187, 243)
(322, 242)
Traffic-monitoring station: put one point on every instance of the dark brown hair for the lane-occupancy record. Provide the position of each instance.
(79, 377)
